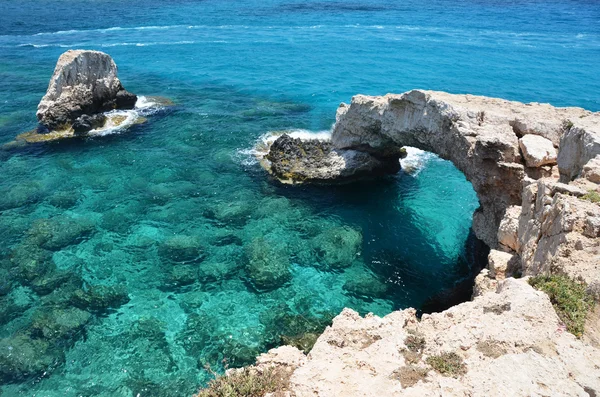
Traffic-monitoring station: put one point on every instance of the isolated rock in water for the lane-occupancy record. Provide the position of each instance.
(297, 160)
(537, 150)
(83, 83)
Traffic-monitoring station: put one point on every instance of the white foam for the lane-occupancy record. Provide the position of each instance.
(415, 160)
(264, 142)
(144, 106)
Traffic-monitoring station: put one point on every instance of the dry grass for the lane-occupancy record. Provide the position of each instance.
(409, 375)
(248, 382)
(448, 364)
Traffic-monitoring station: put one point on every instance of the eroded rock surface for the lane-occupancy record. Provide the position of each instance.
(84, 83)
(295, 160)
(507, 342)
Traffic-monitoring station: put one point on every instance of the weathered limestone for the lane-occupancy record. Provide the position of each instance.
(591, 170)
(579, 144)
(510, 343)
(537, 151)
(84, 83)
(557, 232)
(508, 237)
(499, 264)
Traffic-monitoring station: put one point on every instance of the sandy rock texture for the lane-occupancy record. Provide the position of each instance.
(507, 342)
(84, 84)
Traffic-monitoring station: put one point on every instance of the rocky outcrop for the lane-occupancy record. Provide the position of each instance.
(507, 342)
(559, 232)
(293, 160)
(84, 83)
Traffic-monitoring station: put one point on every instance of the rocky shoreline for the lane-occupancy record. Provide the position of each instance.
(536, 170)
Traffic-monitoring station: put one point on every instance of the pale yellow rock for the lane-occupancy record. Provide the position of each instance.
(498, 264)
(537, 150)
(508, 235)
(591, 170)
(511, 343)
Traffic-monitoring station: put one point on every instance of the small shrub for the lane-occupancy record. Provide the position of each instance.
(415, 344)
(569, 298)
(592, 196)
(448, 364)
(248, 382)
(566, 125)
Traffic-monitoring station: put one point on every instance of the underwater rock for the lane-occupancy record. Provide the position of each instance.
(223, 263)
(83, 83)
(22, 357)
(59, 324)
(181, 248)
(21, 195)
(100, 298)
(268, 264)
(183, 275)
(59, 232)
(299, 330)
(196, 334)
(30, 261)
(50, 281)
(364, 284)
(5, 281)
(233, 212)
(337, 247)
(303, 342)
(64, 199)
(296, 160)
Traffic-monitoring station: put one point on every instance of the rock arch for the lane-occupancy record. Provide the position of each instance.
(482, 136)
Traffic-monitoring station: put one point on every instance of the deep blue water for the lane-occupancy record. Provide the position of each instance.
(175, 216)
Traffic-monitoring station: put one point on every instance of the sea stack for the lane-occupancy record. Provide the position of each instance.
(84, 85)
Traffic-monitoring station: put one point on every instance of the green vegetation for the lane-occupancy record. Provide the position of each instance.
(569, 298)
(566, 125)
(248, 382)
(448, 364)
(592, 196)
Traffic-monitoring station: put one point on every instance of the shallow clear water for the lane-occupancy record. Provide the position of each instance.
(178, 218)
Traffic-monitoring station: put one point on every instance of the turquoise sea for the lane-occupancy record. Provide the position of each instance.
(133, 262)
